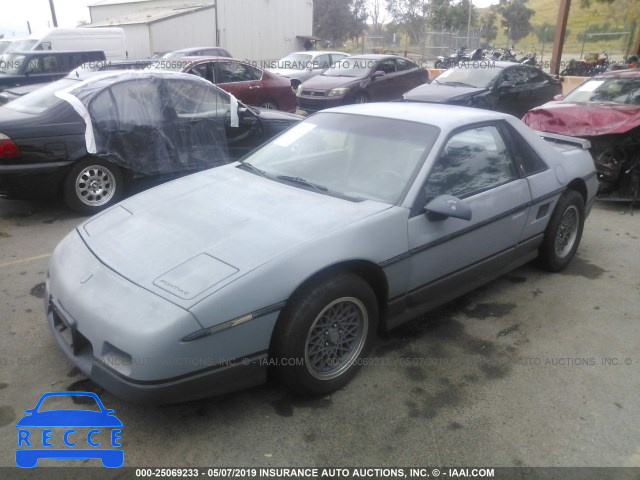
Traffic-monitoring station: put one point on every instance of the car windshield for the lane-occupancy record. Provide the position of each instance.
(22, 45)
(351, 67)
(10, 63)
(614, 89)
(348, 156)
(41, 99)
(472, 76)
(295, 61)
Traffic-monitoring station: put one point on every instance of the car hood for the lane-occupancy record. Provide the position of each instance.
(439, 93)
(323, 82)
(188, 238)
(583, 119)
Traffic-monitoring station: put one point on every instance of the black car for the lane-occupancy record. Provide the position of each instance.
(92, 140)
(28, 68)
(502, 86)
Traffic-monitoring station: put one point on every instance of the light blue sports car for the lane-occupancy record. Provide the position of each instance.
(356, 219)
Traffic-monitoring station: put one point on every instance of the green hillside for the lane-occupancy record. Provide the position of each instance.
(599, 18)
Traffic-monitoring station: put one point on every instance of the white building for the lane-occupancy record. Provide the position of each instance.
(253, 30)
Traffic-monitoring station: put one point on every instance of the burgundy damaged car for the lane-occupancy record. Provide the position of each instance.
(606, 111)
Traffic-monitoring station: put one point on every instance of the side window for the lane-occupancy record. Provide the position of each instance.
(321, 61)
(335, 57)
(528, 161)
(387, 66)
(405, 64)
(519, 76)
(237, 72)
(102, 108)
(196, 100)
(138, 102)
(36, 65)
(202, 70)
(471, 162)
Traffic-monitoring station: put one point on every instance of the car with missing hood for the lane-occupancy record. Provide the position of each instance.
(501, 86)
(606, 111)
(93, 137)
(360, 79)
(290, 260)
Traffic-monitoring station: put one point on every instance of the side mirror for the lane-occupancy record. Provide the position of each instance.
(506, 84)
(377, 73)
(445, 206)
(558, 97)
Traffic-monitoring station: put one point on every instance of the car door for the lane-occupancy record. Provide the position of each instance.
(241, 80)
(197, 116)
(387, 86)
(512, 95)
(542, 89)
(449, 255)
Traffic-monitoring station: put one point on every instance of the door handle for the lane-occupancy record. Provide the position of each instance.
(254, 87)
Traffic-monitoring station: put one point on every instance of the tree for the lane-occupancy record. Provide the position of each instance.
(358, 23)
(411, 15)
(333, 19)
(488, 29)
(546, 32)
(447, 15)
(375, 13)
(516, 17)
(630, 8)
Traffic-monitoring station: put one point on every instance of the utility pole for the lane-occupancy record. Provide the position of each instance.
(469, 25)
(53, 13)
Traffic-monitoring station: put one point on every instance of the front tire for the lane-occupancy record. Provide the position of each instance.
(323, 333)
(563, 233)
(93, 185)
(361, 98)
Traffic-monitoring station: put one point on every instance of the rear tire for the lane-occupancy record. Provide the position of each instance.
(439, 64)
(323, 333)
(563, 233)
(93, 185)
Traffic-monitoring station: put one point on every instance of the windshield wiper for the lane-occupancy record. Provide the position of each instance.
(304, 182)
(251, 168)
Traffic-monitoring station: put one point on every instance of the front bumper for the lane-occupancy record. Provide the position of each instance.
(314, 104)
(129, 340)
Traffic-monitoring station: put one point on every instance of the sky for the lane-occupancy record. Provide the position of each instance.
(69, 12)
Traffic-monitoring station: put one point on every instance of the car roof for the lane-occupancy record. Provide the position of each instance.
(447, 117)
(315, 53)
(191, 49)
(629, 73)
(376, 56)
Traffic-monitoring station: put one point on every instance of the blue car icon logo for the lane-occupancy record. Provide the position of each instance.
(69, 433)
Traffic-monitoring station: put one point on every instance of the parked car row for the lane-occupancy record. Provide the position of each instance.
(369, 215)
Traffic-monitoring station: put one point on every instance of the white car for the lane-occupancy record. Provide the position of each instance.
(301, 66)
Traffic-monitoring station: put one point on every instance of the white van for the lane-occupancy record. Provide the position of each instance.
(109, 39)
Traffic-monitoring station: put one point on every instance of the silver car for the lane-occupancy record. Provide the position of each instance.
(301, 66)
(356, 219)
